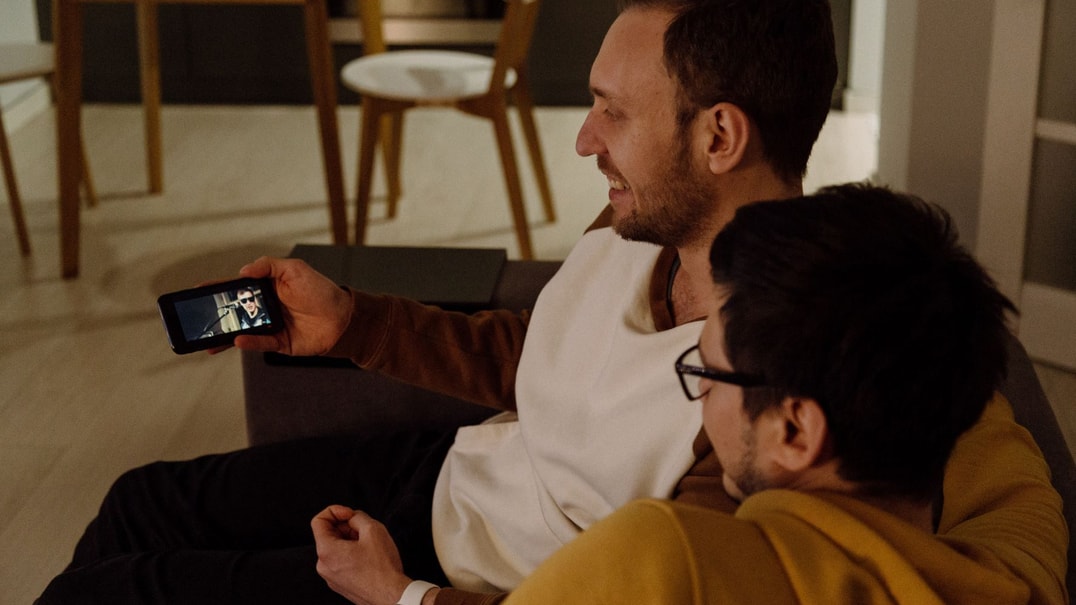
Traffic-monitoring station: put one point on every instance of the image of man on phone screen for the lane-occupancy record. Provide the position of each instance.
(253, 314)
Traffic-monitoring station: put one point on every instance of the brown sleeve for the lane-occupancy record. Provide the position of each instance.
(471, 357)
(702, 485)
(604, 219)
(453, 596)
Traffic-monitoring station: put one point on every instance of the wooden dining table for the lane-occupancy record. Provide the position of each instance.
(68, 33)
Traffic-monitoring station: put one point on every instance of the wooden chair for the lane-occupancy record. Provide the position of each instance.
(390, 82)
(24, 61)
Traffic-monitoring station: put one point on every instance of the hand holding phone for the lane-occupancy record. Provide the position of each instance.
(306, 311)
(212, 316)
(316, 309)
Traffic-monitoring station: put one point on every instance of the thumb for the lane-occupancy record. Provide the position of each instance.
(361, 522)
(262, 267)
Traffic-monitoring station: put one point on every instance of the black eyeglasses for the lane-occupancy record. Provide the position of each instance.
(246, 299)
(691, 372)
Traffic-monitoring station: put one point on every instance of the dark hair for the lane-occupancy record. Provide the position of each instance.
(774, 59)
(862, 299)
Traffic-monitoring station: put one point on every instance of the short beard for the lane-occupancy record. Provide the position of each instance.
(675, 208)
(746, 474)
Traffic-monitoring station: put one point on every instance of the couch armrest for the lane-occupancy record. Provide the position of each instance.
(287, 399)
(290, 398)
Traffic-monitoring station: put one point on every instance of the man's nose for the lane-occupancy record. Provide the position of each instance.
(586, 142)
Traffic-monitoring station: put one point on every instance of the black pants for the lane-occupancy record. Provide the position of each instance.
(235, 528)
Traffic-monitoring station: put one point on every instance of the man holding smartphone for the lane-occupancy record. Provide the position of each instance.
(701, 107)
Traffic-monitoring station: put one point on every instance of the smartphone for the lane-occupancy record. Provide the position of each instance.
(212, 316)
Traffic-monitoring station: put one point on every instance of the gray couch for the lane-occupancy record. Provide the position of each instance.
(290, 398)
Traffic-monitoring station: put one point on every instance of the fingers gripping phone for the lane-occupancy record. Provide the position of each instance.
(212, 316)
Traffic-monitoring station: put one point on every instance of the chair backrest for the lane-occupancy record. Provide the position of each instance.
(514, 43)
(21, 61)
(373, 36)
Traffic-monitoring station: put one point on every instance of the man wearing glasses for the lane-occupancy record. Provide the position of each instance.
(852, 343)
(700, 107)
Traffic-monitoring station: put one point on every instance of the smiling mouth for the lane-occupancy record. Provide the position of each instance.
(616, 182)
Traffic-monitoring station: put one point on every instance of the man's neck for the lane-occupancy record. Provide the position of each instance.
(693, 287)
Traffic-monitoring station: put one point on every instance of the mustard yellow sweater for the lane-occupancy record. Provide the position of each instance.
(792, 547)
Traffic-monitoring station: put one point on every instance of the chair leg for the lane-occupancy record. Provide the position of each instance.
(67, 23)
(87, 179)
(511, 179)
(149, 61)
(530, 133)
(323, 86)
(369, 134)
(391, 150)
(13, 192)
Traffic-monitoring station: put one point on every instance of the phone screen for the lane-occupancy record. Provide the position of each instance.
(211, 316)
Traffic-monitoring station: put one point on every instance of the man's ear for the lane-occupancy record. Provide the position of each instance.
(728, 133)
(804, 435)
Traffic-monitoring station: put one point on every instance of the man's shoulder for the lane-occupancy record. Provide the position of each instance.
(726, 558)
(673, 522)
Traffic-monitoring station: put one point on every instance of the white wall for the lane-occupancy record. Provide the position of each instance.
(20, 100)
(863, 92)
(18, 21)
(933, 107)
